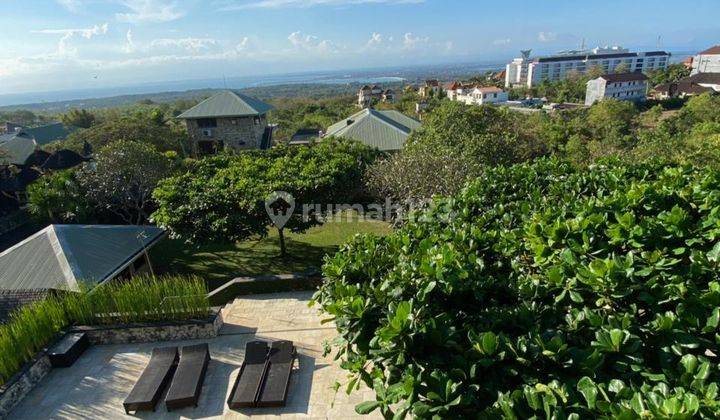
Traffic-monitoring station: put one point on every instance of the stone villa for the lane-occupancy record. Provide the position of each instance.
(228, 120)
(368, 95)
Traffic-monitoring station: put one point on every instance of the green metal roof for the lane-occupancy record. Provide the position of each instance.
(48, 133)
(62, 256)
(227, 103)
(385, 130)
(15, 148)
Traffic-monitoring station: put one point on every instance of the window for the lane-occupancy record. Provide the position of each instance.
(207, 123)
(256, 120)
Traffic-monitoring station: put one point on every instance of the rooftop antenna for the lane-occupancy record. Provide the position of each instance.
(659, 41)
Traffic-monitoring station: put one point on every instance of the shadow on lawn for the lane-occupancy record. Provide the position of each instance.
(220, 263)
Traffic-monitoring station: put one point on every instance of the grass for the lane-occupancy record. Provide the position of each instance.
(219, 263)
(143, 299)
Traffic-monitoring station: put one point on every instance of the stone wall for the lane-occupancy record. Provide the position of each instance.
(240, 133)
(23, 382)
(147, 333)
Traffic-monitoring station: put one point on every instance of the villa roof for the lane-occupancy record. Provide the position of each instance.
(489, 89)
(385, 130)
(60, 257)
(48, 133)
(227, 103)
(711, 51)
(15, 148)
(704, 78)
(623, 77)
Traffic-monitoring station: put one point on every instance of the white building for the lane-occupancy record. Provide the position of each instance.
(707, 61)
(527, 71)
(619, 86)
(481, 95)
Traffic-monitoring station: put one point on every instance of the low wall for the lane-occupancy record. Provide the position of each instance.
(146, 333)
(242, 286)
(34, 371)
(23, 382)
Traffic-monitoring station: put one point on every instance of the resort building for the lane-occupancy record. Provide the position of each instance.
(527, 71)
(385, 130)
(618, 86)
(368, 95)
(707, 61)
(228, 120)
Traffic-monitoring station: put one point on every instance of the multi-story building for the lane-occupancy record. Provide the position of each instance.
(707, 61)
(527, 71)
(431, 88)
(367, 95)
(228, 120)
(481, 95)
(618, 86)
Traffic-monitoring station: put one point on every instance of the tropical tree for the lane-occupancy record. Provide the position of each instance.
(81, 118)
(122, 178)
(57, 197)
(229, 198)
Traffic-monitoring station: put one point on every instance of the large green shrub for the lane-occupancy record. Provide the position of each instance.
(540, 290)
(143, 299)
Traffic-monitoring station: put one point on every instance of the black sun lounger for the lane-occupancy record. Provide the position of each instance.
(189, 376)
(247, 386)
(147, 390)
(275, 386)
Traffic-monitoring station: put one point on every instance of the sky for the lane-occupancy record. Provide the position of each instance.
(50, 45)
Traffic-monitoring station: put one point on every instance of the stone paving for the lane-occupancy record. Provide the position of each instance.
(97, 384)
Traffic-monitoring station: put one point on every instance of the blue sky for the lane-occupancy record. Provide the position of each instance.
(70, 44)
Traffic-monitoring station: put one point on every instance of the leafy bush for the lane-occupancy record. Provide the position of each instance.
(143, 299)
(222, 198)
(540, 290)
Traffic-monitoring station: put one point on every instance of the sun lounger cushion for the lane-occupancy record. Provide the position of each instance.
(189, 377)
(275, 386)
(247, 386)
(157, 374)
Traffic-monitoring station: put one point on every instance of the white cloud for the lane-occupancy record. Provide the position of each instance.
(129, 47)
(278, 4)
(188, 44)
(63, 49)
(243, 45)
(71, 5)
(412, 42)
(149, 11)
(547, 36)
(503, 41)
(311, 43)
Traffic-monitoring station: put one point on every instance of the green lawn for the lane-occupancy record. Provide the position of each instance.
(219, 263)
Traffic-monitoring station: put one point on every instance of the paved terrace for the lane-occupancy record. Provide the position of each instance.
(97, 384)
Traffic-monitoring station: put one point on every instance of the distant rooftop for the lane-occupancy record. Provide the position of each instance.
(385, 130)
(711, 51)
(227, 103)
(624, 77)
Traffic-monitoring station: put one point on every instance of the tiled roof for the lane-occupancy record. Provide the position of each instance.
(10, 300)
(489, 89)
(711, 51)
(704, 78)
(227, 103)
(48, 133)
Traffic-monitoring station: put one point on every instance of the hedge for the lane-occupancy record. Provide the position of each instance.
(144, 299)
(541, 290)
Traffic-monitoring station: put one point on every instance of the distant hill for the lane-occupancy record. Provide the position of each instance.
(310, 90)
